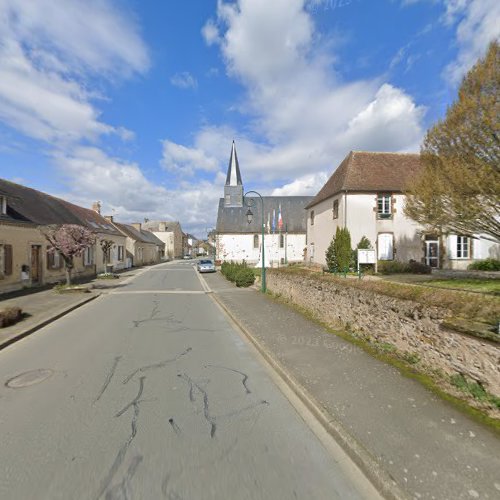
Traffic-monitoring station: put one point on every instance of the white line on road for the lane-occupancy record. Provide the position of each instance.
(132, 292)
(204, 284)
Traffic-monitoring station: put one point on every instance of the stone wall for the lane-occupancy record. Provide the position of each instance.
(410, 326)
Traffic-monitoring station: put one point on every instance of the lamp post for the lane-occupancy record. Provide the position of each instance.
(249, 215)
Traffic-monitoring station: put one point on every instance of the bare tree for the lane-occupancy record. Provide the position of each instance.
(106, 246)
(458, 190)
(70, 241)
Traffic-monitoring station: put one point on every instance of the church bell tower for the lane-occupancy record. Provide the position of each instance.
(233, 190)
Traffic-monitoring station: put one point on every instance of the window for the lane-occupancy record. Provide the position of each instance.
(385, 246)
(256, 241)
(228, 199)
(335, 209)
(5, 260)
(282, 240)
(87, 256)
(121, 252)
(462, 247)
(384, 208)
(312, 217)
(54, 260)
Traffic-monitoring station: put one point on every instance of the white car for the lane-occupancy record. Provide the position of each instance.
(205, 266)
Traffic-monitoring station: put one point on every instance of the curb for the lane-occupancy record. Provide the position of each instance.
(381, 480)
(46, 322)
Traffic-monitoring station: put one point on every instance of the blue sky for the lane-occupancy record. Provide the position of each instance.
(136, 103)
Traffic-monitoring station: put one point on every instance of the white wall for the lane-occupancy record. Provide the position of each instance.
(239, 247)
(358, 211)
(168, 238)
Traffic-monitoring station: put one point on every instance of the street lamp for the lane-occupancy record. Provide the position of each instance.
(249, 215)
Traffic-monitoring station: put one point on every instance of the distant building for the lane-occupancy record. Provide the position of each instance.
(25, 260)
(284, 221)
(171, 234)
(366, 194)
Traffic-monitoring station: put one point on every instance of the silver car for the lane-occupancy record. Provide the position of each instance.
(205, 266)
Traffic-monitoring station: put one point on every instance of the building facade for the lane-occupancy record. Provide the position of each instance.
(366, 195)
(283, 218)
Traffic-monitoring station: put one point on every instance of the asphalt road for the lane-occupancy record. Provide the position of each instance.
(150, 392)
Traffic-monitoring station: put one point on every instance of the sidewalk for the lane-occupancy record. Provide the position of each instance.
(46, 306)
(407, 440)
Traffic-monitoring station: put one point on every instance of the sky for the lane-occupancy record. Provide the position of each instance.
(135, 103)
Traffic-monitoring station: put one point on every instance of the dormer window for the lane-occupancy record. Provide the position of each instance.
(3, 205)
(312, 217)
(384, 206)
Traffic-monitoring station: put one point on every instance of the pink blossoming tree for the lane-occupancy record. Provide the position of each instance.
(70, 241)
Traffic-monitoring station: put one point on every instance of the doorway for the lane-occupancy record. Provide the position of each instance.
(432, 253)
(35, 271)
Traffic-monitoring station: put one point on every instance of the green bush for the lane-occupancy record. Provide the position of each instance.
(240, 274)
(339, 253)
(393, 267)
(485, 265)
(419, 268)
(244, 277)
(398, 267)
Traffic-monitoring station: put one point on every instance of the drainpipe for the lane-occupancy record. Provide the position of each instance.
(345, 208)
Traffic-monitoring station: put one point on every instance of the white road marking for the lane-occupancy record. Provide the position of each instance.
(132, 292)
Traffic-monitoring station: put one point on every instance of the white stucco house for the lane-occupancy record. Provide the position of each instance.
(366, 194)
(284, 224)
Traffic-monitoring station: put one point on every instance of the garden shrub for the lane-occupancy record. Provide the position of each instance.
(393, 267)
(339, 252)
(485, 265)
(10, 315)
(240, 274)
(244, 277)
(419, 267)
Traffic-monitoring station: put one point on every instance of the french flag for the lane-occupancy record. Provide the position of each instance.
(280, 220)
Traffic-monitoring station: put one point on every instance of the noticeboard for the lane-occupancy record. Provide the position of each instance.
(366, 257)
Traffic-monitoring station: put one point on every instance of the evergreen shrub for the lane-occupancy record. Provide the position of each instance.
(485, 265)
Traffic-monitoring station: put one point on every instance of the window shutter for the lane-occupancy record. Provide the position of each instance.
(7, 259)
(50, 260)
(452, 246)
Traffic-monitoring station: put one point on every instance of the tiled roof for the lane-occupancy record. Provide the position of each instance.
(28, 205)
(154, 226)
(370, 172)
(139, 235)
(234, 219)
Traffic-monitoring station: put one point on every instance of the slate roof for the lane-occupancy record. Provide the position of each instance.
(27, 205)
(234, 219)
(233, 170)
(135, 234)
(363, 171)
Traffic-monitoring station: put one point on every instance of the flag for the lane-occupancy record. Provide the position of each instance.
(274, 220)
(268, 222)
(280, 220)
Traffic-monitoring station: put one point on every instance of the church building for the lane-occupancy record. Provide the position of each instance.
(240, 220)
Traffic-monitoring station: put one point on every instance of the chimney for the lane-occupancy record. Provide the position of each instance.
(96, 207)
(162, 226)
(137, 225)
(109, 218)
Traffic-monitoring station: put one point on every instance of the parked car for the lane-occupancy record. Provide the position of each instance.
(187, 257)
(206, 266)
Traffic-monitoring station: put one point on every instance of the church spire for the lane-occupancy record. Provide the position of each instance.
(233, 172)
(233, 190)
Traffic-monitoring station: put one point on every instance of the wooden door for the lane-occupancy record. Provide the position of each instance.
(35, 264)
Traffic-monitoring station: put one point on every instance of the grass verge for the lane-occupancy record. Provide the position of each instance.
(435, 381)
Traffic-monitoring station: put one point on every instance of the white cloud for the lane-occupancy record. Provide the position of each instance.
(305, 117)
(47, 55)
(180, 159)
(124, 191)
(184, 80)
(210, 33)
(478, 23)
(306, 185)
